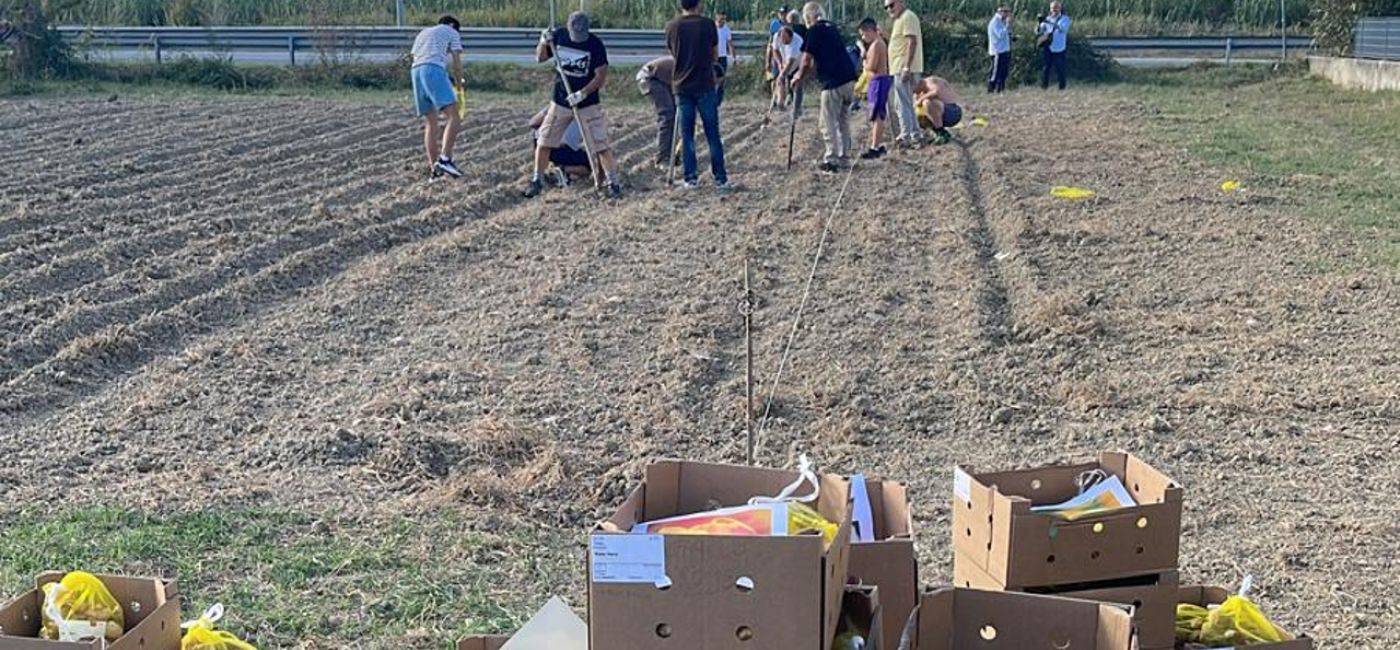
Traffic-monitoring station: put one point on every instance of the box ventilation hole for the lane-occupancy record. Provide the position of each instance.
(135, 607)
(663, 630)
(969, 532)
(1035, 484)
(1137, 604)
(1094, 555)
(744, 584)
(1060, 644)
(1140, 550)
(988, 633)
(1142, 522)
(744, 633)
(1050, 560)
(1098, 528)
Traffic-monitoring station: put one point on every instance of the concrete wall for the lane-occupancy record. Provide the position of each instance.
(1362, 74)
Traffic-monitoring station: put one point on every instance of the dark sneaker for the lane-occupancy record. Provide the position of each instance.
(829, 167)
(533, 189)
(942, 137)
(870, 154)
(614, 191)
(446, 166)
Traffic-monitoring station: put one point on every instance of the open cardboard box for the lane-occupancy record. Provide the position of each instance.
(1206, 596)
(889, 562)
(151, 608)
(1153, 598)
(482, 643)
(719, 591)
(994, 528)
(861, 605)
(954, 618)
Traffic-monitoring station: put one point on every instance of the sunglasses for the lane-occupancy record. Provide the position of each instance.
(889, 6)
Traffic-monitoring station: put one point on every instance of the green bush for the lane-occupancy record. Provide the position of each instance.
(39, 51)
(1334, 20)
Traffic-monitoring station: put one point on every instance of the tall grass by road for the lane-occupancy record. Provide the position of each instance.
(1096, 16)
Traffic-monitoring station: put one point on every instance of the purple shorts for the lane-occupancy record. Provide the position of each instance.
(878, 96)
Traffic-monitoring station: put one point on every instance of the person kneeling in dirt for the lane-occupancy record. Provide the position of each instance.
(569, 161)
(433, 91)
(939, 106)
(654, 80)
(581, 70)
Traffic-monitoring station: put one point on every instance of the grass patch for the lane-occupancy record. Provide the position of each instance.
(1330, 150)
(289, 578)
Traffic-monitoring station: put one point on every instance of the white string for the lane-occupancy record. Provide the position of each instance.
(805, 474)
(801, 306)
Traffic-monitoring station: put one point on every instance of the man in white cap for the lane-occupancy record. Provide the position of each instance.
(582, 63)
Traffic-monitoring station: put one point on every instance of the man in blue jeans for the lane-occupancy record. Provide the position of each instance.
(693, 41)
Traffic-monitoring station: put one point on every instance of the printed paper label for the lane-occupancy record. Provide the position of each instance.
(962, 485)
(80, 630)
(628, 558)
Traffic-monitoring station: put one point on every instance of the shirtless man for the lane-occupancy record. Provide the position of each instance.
(940, 104)
(877, 68)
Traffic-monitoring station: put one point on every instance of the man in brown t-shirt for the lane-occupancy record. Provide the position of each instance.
(693, 40)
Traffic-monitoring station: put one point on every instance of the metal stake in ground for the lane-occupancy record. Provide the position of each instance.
(569, 90)
(792, 126)
(746, 307)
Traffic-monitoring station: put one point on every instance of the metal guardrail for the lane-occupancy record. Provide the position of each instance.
(1378, 38)
(513, 40)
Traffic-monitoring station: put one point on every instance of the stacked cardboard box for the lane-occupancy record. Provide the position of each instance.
(700, 591)
(1128, 555)
(889, 561)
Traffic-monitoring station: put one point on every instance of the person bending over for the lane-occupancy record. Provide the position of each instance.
(940, 103)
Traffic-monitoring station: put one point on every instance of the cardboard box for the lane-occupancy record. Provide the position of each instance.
(861, 605)
(1206, 596)
(718, 591)
(482, 643)
(891, 562)
(151, 608)
(993, 525)
(1152, 597)
(954, 618)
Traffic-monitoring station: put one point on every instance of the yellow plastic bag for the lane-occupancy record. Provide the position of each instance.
(1230, 185)
(1236, 622)
(80, 607)
(459, 91)
(863, 83)
(1071, 193)
(201, 634)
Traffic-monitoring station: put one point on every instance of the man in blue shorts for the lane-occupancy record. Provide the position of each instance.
(433, 91)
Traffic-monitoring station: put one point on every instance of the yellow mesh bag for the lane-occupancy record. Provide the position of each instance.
(80, 607)
(203, 635)
(1236, 622)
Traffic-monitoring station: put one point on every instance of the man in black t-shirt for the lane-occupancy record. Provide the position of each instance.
(581, 69)
(693, 41)
(824, 50)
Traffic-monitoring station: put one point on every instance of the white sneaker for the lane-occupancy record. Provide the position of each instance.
(558, 177)
(687, 185)
(725, 187)
(446, 166)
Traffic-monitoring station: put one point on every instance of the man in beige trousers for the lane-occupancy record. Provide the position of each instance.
(824, 51)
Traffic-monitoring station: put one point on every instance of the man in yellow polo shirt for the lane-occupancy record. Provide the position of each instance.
(906, 64)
